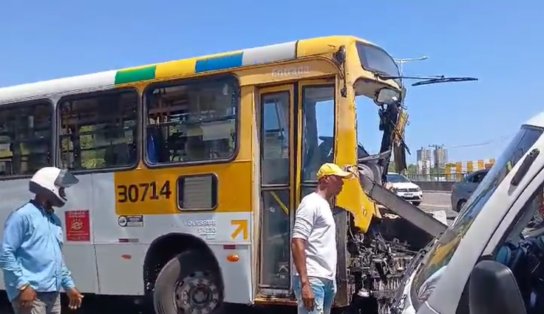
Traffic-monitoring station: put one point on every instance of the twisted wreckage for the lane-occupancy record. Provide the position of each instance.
(378, 259)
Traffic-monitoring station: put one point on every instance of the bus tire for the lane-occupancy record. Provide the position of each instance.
(189, 282)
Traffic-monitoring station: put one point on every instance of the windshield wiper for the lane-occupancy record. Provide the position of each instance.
(425, 80)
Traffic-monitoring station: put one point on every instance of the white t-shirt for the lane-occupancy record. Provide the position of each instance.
(314, 222)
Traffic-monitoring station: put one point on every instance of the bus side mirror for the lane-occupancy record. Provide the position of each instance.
(387, 96)
(493, 289)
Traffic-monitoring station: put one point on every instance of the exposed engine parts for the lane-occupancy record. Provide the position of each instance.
(376, 268)
(378, 259)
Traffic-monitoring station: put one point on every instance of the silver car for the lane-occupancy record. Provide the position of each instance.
(462, 190)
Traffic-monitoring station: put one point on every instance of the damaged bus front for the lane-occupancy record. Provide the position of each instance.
(383, 239)
(382, 232)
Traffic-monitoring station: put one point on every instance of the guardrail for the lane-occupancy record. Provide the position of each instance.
(437, 181)
(438, 177)
(444, 186)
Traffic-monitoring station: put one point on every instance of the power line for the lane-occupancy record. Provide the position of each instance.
(485, 143)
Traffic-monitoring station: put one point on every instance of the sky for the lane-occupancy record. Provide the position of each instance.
(498, 42)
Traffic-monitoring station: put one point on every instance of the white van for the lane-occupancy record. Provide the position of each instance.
(488, 260)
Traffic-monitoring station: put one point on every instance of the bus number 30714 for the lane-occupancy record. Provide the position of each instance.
(142, 192)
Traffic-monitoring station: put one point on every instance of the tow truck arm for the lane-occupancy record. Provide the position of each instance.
(406, 210)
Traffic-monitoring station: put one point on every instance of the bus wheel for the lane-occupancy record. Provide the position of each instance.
(188, 283)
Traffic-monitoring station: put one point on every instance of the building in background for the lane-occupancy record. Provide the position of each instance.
(440, 155)
(424, 167)
(423, 154)
(424, 161)
(433, 164)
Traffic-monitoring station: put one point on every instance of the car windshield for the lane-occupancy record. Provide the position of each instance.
(396, 178)
(443, 250)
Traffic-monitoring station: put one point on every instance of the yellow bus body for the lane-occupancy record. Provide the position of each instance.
(144, 190)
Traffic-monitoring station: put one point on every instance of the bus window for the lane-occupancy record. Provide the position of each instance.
(25, 138)
(275, 186)
(99, 131)
(275, 252)
(369, 136)
(197, 192)
(192, 122)
(275, 129)
(318, 129)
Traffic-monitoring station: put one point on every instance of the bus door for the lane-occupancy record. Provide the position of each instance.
(276, 122)
(296, 136)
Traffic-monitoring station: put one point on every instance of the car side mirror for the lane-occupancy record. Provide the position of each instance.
(493, 289)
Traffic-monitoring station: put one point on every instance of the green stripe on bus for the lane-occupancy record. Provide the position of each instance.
(135, 75)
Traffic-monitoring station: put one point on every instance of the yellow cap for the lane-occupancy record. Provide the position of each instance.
(330, 169)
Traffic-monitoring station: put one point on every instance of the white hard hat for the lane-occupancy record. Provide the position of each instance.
(51, 182)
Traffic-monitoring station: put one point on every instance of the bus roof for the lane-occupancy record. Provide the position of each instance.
(178, 68)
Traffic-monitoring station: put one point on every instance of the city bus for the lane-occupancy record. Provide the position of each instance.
(190, 171)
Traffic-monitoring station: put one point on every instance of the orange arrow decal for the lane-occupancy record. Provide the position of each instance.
(242, 227)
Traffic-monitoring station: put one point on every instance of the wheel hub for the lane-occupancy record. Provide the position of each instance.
(197, 293)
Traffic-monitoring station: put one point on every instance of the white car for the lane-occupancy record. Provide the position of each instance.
(405, 188)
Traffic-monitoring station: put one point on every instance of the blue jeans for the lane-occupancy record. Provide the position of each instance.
(324, 293)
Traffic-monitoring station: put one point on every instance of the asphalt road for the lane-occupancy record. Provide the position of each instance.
(101, 305)
(432, 201)
(91, 305)
(436, 201)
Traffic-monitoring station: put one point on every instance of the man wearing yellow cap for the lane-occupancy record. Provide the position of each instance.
(314, 243)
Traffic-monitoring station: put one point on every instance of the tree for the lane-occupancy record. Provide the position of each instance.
(391, 167)
(411, 169)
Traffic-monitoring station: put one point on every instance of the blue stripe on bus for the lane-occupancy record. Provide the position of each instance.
(219, 63)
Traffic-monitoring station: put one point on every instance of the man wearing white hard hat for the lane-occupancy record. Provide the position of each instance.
(31, 249)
